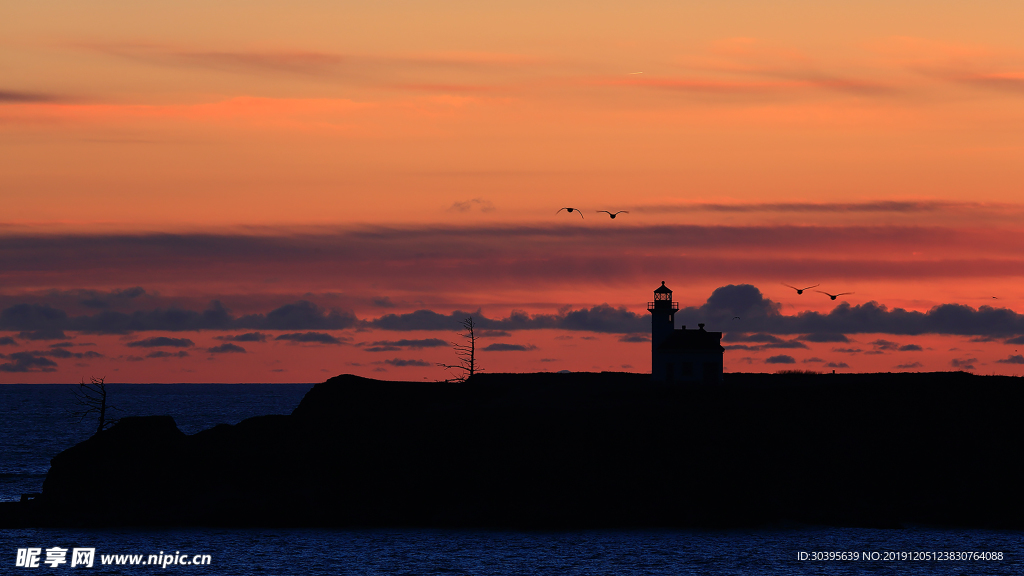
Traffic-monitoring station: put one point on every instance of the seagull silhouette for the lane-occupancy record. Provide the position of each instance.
(833, 296)
(736, 318)
(801, 290)
(571, 210)
(615, 214)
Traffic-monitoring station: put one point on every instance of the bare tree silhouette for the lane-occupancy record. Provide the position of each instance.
(466, 353)
(92, 401)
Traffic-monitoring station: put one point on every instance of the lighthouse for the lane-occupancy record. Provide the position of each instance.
(681, 355)
(663, 316)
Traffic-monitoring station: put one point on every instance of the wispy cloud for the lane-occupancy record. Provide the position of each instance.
(477, 203)
(395, 70)
(1012, 82)
(773, 83)
(10, 96)
(253, 61)
(296, 62)
(985, 67)
(880, 206)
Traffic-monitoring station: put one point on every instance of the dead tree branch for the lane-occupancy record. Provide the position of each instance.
(466, 353)
(91, 399)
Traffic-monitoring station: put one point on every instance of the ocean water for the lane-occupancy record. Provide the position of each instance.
(39, 423)
(36, 426)
(437, 552)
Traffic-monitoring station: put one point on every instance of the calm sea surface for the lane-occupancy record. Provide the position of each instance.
(38, 422)
(36, 426)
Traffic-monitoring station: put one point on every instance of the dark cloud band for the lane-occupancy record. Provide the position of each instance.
(761, 317)
(436, 257)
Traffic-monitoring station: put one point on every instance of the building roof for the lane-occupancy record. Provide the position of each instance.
(663, 289)
(696, 340)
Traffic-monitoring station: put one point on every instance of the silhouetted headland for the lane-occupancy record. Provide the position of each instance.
(568, 451)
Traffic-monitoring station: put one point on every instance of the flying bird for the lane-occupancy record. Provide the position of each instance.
(801, 290)
(833, 296)
(613, 215)
(571, 210)
(735, 317)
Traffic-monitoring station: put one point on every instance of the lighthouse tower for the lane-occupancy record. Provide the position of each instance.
(681, 355)
(663, 323)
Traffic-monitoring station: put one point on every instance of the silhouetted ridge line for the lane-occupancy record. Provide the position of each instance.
(568, 451)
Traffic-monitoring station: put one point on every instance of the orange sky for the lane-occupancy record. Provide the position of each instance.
(872, 147)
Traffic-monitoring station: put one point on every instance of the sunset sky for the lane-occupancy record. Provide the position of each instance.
(283, 192)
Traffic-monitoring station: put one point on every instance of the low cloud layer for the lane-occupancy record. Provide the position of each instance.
(601, 318)
(162, 341)
(762, 322)
(416, 344)
(226, 348)
(63, 353)
(762, 314)
(162, 354)
(301, 315)
(502, 347)
(400, 363)
(309, 338)
(42, 334)
(26, 362)
(247, 337)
